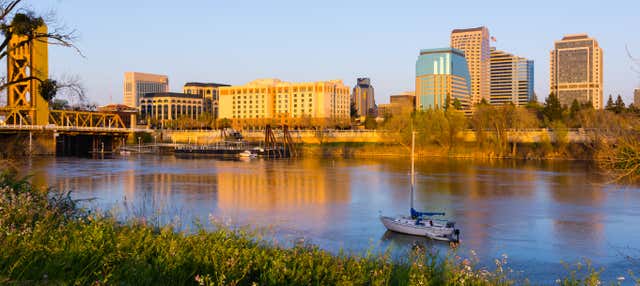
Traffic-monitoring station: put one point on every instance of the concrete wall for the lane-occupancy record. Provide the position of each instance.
(21, 144)
(357, 136)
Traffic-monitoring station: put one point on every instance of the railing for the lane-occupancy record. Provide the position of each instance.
(53, 127)
(85, 119)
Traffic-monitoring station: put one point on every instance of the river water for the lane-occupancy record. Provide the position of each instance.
(539, 214)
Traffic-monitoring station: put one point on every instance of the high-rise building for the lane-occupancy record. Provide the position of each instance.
(363, 97)
(474, 43)
(576, 70)
(209, 94)
(441, 75)
(511, 79)
(272, 98)
(636, 97)
(137, 84)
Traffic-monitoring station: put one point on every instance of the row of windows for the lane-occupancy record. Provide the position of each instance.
(295, 106)
(154, 101)
(163, 112)
(283, 90)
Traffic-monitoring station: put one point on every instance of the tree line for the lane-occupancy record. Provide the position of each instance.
(441, 128)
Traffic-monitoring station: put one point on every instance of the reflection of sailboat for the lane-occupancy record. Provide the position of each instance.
(421, 223)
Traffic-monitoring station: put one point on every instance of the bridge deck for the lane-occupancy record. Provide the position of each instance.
(57, 128)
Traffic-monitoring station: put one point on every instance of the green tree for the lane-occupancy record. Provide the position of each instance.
(618, 106)
(447, 102)
(609, 105)
(552, 108)
(456, 104)
(370, 123)
(223, 123)
(353, 111)
(575, 108)
(59, 104)
(456, 123)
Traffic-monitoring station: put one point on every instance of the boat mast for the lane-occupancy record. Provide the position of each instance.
(413, 176)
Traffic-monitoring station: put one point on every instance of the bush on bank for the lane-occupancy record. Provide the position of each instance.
(46, 239)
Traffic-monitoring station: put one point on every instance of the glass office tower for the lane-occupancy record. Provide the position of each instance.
(441, 75)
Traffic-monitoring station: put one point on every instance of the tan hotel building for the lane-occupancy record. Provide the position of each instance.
(273, 98)
(576, 70)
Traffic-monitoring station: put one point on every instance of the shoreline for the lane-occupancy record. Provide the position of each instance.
(373, 150)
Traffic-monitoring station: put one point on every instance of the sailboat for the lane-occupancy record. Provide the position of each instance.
(421, 223)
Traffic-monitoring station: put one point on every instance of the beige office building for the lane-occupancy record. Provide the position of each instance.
(474, 43)
(400, 104)
(576, 70)
(136, 84)
(273, 98)
(511, 79)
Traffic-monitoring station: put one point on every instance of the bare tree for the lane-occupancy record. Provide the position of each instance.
(635, 62)
(17, 22)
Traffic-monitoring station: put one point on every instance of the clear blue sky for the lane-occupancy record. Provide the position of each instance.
(237, 41)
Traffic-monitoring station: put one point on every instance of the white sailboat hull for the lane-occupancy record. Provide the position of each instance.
(407, 225)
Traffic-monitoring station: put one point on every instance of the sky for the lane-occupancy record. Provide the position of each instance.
(237, 41)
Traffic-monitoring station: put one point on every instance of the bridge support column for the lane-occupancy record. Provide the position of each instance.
(84, 145)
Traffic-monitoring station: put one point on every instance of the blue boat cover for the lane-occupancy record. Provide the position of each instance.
(415, 214)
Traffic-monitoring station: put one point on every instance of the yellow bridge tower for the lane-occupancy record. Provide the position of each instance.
(27, 67)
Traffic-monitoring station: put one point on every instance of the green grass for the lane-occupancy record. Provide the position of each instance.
(46, 239)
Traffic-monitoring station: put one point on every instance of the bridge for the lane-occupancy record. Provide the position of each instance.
(29, 126)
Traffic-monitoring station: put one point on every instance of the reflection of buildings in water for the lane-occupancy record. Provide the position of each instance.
(160, 187)
(473, 193)
(86, 185)
(576, 207)
(129, 183)
(576, 189)
(306, 185)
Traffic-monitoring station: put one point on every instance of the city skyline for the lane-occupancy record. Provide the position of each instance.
(228, 51)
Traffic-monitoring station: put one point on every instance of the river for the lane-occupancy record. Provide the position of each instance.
(537, 213)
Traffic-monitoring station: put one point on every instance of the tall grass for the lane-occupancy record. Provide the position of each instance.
(46, 239)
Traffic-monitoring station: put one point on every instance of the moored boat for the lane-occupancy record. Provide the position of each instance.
(421, 223)
(247, 154)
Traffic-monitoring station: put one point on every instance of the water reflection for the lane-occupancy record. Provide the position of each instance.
(539, 213)
(264, 186)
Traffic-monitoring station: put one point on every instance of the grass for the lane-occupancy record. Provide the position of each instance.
(47, 240)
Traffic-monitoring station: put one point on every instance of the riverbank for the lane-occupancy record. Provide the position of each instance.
(534, 151)
(47, 239)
